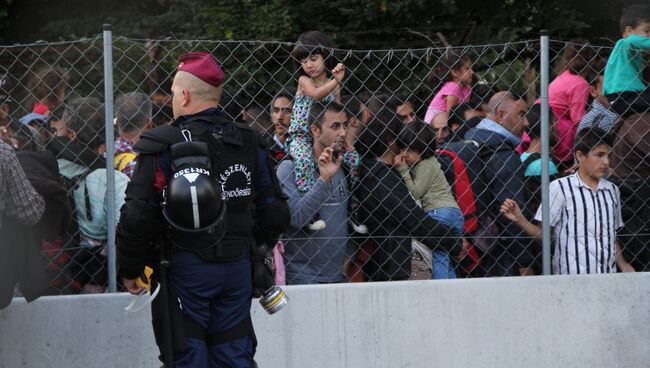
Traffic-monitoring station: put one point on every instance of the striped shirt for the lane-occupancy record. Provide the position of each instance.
(584, 224)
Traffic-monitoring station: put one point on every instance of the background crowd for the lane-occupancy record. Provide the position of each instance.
(380, 186)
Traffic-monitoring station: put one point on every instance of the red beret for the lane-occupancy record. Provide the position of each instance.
(202, 65)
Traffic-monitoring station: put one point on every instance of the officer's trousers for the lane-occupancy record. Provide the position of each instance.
(217, 296)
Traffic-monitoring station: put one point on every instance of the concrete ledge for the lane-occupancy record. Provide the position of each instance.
(556, 321)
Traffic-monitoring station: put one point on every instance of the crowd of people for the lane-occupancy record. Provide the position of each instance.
(375, 191)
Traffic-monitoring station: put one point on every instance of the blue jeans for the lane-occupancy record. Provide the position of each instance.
(453, 218)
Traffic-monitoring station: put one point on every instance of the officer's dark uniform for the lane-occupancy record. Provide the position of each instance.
(212, 281)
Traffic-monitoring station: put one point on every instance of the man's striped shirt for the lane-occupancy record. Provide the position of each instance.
(584, 224)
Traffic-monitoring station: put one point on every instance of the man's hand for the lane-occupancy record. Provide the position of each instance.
(510, 209)
(5, 134)
(326, 166)
(338, 72)
(132, 287)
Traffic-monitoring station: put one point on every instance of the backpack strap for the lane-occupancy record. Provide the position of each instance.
(532, 158)
(76, 182)
(158, 139)
(123, 159)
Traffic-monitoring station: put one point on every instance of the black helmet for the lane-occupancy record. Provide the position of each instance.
(192, 198)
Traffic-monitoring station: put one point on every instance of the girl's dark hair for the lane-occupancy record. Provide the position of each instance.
(577, 57)
(418, 137)
(593, 74)
(311, 43)
(451, 60)
(596, 70)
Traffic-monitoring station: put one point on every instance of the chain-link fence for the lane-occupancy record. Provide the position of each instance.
(381, 222)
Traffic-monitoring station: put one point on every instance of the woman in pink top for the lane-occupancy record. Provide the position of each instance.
(567, 97)
(454, 72)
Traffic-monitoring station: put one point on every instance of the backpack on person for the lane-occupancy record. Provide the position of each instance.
(463, 164)
(73, 258)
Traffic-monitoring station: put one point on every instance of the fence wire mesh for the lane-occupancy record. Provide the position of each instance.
(51, 99)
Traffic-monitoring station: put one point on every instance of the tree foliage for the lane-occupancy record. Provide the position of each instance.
(352, 23)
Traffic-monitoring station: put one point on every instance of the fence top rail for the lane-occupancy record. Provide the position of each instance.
(286, 43)
(53, 43)
(526, 43)
(98, 37)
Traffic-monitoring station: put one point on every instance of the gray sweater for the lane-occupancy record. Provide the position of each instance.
(315, 256)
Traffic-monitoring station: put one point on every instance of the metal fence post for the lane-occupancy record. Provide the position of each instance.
(546, 229)
(110, 153)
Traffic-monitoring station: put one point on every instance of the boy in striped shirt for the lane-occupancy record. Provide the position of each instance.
(585, 212)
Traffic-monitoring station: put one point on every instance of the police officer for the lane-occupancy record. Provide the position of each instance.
(203, 183)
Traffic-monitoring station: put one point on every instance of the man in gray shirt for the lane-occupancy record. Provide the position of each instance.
(313, 257)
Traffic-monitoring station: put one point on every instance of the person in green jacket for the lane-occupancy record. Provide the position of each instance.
(428, 185)
(623, 85)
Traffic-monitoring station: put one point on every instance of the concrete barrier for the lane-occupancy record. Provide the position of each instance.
(581, 321)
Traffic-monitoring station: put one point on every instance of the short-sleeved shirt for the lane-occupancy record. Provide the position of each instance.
(584, 224)
(439, 102)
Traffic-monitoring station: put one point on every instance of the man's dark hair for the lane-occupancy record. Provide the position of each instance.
(232, 106)
(85, 117)
(396, 100)
(418, 137)
(257, 117)
(378, 102)
(365, 96)
(162, 114)
(286, 93)
(314, 43)
(376, 137)
(318, 110)
(133, 112)
(534, 117)
(352, 106)
(481, 94)
(634, 15)
(590, 138)
(457, 115)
